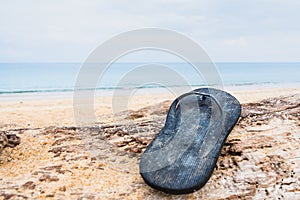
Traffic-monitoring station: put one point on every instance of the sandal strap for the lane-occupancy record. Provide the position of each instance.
(203, 98)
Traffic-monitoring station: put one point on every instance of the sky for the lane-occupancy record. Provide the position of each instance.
(229, 31)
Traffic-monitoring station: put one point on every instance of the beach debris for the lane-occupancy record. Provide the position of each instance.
(8, 140)
(260, 113)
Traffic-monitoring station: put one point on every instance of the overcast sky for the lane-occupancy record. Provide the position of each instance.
(231, 30)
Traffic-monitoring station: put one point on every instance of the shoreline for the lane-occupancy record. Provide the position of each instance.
(74, 163)
(43, 110)
(143, 91)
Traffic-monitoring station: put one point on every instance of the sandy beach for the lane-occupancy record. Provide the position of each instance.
(58, 160)
(86, 86)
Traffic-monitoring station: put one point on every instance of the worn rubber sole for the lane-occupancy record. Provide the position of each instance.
(182, 157)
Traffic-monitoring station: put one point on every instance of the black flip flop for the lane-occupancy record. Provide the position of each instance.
(182, 156)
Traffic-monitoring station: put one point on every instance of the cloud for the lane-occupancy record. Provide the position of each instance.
(240, 41)
(68, 30)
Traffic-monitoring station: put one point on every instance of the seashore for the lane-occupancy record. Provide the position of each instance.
(57, 159)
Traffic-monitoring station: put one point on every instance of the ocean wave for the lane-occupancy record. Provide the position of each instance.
(111, 88)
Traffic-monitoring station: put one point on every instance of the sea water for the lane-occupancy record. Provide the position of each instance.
(61, 77)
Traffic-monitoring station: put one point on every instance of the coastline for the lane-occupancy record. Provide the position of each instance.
(47, 109)
(56, 160)
(142, 91)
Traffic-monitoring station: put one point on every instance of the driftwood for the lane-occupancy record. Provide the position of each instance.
(8, 140)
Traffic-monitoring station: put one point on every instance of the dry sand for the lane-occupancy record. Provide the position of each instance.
(36, 111)
(56, 160)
